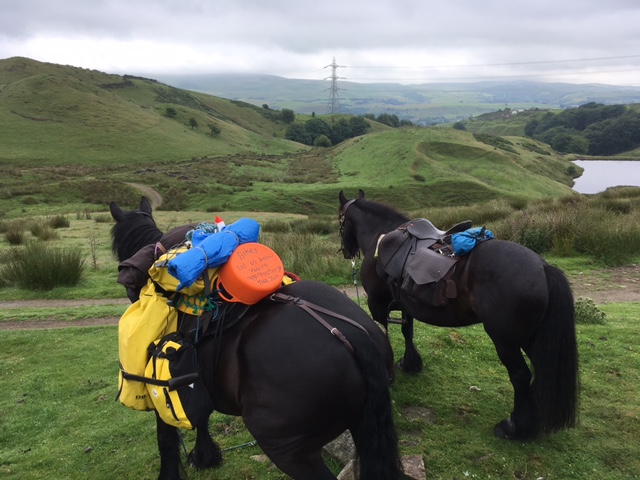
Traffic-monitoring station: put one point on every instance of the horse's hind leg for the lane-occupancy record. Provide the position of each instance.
(523, 423)
(206, 453)
(411, 362)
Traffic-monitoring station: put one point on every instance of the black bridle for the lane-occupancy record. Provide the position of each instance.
(342, 216)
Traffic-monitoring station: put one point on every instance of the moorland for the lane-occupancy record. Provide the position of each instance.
(75, 139)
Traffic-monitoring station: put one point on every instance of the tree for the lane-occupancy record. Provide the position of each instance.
(459, 126)
(316, 127)
(170, 112)
(297, 133)
(322, 141)
(287, 115)
(390, 120)
(358, 125)
(215, 129)
(193, 123)
(340, 131)
(568, 143)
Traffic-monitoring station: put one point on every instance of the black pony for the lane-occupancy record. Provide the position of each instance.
(294, 382)
(523, 303)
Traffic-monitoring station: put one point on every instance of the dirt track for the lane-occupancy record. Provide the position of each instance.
(614, 285)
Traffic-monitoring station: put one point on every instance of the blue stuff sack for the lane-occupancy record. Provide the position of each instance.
(466, 241)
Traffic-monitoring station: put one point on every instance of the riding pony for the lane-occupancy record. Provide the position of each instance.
(524, 304)
(297, 381)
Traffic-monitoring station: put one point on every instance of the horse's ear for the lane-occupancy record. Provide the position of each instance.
(116, 211)
(342, 198)
(360, 194)
(145, 205)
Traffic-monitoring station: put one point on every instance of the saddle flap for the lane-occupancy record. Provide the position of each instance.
(426, 266)
(394, 249)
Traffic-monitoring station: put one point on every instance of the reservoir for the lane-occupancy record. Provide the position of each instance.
(601, 174)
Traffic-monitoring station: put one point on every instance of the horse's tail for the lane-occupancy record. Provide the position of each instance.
(374, 433)
(554, 355)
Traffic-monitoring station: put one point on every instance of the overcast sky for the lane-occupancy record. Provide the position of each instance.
(404, 41)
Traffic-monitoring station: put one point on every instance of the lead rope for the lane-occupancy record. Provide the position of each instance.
(354, 274)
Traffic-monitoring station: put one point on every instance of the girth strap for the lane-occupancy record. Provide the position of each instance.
(312, 308)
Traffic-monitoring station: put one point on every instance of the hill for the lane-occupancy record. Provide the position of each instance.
(423, 104)
(57, 114)
(74, 139)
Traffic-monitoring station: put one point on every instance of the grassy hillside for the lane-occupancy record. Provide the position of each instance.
(433, 166)
(424, 104)
(52, 114)
(503, 122)
(74, 139)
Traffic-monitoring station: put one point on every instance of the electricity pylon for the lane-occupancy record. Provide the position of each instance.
(334, 100)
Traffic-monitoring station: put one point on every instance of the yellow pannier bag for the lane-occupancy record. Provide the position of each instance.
(194, 298)
(175, 387)
(143, 322)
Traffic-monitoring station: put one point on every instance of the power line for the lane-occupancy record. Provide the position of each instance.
(537, 62)
(482, 77)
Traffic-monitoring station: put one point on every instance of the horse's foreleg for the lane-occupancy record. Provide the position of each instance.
(523, 423)
(169, 447)
(412, 361)
(206, 453)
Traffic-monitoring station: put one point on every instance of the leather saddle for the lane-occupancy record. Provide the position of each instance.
(416, 256)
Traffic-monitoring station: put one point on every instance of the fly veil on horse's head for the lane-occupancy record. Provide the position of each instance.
(348, 240)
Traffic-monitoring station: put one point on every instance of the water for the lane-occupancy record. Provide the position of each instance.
(601, 174)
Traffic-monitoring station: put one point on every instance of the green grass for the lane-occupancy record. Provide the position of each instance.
(61, 314)
(59, 419)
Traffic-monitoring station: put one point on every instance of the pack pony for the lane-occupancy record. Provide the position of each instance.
(523, 303)
(295, 384)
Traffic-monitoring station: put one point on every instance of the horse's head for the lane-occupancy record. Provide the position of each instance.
(348, 237)
(133, 229)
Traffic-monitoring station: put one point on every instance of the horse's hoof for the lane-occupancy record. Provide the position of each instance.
(506, 429)
(409, 368)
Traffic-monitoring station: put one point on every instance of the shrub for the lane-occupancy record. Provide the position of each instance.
(314, 225)
(276, 226)
(536, 238)
(588, 313)
(42, 229)
(40, 267)
(611, 239)
(29, 200)
(15, 233)
(309, 256)
(59, 221)
(103, 218)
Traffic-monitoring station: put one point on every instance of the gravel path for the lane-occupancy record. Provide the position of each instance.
(614, 285)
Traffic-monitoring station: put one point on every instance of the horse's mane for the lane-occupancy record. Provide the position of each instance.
(132, 233)
(382, 211)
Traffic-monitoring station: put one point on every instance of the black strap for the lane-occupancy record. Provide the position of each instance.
(312, 308)
(172, 383)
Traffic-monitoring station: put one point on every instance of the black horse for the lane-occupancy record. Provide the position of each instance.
(523, 303)
(295, 384)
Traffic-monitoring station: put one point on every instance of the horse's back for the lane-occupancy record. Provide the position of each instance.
(506, 265)
(508, 285)
(295, 376)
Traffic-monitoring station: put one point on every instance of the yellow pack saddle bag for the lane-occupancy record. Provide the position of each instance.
(175, 386)
(143, 322)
